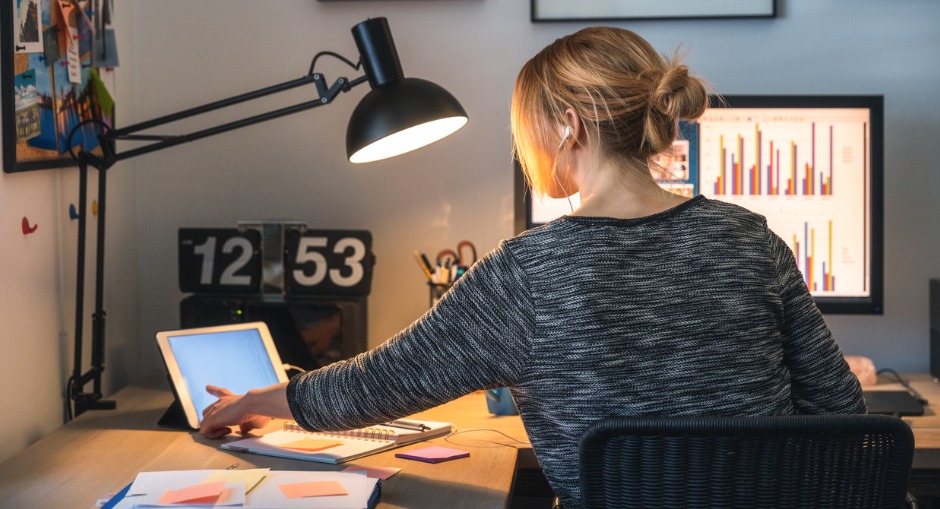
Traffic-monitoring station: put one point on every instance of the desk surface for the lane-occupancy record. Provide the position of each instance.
(101, 451)
(926, 428)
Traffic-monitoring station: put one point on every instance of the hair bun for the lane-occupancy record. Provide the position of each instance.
(678, 95)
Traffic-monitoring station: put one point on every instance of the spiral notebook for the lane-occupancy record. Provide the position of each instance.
(338, 446)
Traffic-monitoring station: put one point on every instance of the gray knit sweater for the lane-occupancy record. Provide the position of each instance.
(699, 310)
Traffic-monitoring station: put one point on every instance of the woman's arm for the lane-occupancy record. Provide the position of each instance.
(821, 381)
(476, 337)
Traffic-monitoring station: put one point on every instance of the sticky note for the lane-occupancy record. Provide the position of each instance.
(206, 493)
(101, 92)
(382, 473)
(310, 444)
(313, 489)
(251, 477)
(433, 454)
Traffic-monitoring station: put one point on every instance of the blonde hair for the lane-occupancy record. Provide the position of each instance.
(628, 96)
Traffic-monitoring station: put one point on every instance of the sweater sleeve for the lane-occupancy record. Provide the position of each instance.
(821, 382)
(476, 337)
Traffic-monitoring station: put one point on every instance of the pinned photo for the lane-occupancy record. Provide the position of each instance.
(27, 35)
(27, 106)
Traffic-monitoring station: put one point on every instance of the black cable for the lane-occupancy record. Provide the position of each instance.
(288, 367)
(313, 64)
(80, 127)
(897, 376)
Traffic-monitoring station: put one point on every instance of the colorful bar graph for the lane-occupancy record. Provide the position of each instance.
(805, 253)
(720, 181)
(793, 168)
(805, 170)
(757, 177)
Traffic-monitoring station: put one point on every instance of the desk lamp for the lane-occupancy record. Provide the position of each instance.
(398, 115)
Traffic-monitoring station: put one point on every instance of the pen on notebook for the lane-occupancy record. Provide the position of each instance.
(404, 424)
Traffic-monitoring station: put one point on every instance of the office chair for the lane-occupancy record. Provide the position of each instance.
(821, 461)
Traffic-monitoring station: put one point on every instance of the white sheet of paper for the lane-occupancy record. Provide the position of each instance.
(148, 487)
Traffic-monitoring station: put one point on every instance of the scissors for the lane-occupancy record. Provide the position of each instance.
(452, 257)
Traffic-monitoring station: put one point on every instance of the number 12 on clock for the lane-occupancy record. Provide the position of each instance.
(219, 260)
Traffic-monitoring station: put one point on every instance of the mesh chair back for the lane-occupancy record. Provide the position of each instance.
(831, 461)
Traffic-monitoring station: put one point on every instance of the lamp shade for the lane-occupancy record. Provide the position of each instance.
(399, 117)
(399, 114)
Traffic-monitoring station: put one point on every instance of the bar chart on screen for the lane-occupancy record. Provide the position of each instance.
(807, 171)
(830, 263)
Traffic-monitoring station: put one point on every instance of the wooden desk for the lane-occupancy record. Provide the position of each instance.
(101, 451)
(925, 470)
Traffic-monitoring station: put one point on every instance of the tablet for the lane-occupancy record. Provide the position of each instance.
(238, 357)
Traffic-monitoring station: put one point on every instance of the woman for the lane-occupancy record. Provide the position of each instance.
(640, 302)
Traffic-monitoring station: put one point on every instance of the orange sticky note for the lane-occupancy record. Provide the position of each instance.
(313, 489)
(310, 444)
(206, 493)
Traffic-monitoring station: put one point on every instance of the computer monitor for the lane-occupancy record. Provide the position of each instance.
(813, 165)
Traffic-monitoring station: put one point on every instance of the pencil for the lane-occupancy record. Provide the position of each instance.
(424, 266)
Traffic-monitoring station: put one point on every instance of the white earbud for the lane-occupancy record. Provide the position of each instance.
(565, 137)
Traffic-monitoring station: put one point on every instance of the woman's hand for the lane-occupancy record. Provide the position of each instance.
(863, 368)
(229, 410)
(248, 411)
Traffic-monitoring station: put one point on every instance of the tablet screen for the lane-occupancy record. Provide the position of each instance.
(238, 358)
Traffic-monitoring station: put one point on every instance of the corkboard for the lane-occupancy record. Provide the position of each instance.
(45, 95)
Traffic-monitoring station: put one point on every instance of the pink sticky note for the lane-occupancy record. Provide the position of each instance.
(382, 473)
(313, 489)
(197, 494)
(433, 454)
(310, 444)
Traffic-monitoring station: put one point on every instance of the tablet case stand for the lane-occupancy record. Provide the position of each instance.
(174, 417)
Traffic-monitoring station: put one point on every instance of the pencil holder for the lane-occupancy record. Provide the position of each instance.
(437, 290)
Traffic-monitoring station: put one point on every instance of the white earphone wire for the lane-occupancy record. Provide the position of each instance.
(564, 138)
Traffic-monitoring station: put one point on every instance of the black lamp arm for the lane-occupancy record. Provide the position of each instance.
(326, 94)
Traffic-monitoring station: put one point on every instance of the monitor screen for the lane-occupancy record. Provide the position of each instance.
(813, 165)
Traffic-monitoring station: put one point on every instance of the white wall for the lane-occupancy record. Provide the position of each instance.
(178, 54)
(35, 363)
(37, 287)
